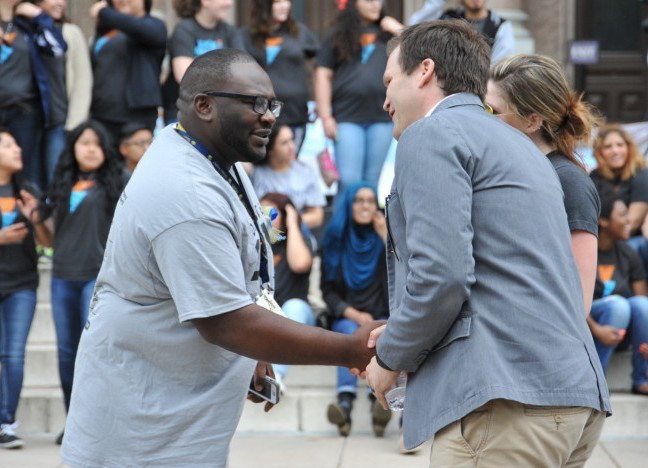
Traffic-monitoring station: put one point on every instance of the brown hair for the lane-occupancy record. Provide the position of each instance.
(347, 29)
(261, 22)
(461, 55)
(186, 8)
(634, 162)
(280, 200)
(535, 84)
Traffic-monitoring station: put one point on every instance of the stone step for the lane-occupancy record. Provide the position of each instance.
(42, 327)
(41, 410)
(41, 366)
(304, 411)
(44, 286)
(619, 372)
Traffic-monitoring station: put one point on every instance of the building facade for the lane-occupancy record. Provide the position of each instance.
(616, 84)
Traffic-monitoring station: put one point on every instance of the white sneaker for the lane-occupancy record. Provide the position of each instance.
(8, 437)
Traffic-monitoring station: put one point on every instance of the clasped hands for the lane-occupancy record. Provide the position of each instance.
(379, 379)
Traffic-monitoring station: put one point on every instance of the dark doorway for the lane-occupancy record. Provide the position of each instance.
(617, 84)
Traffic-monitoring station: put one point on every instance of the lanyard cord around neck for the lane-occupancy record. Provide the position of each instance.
(239, 188)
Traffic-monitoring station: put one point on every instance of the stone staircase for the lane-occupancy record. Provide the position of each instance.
(302, 409)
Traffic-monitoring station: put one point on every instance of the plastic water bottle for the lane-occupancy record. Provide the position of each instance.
(396, 396)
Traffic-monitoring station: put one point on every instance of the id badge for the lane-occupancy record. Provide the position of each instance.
(266, 300)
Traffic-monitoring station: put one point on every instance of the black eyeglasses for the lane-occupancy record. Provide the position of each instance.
(261, 104)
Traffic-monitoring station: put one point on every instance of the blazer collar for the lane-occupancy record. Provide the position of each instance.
(459, 99)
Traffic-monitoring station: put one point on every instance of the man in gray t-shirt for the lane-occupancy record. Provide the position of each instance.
(174, 333)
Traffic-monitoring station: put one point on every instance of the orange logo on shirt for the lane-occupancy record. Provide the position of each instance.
(274, 41)
(7, 205)
(367, 39)
(83, 185)
(606, 272)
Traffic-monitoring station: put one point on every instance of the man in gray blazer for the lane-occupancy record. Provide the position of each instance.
(485, 299)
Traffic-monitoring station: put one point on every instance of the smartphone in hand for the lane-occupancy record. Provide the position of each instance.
(270, 392)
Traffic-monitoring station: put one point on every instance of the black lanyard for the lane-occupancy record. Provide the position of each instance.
(239, 188)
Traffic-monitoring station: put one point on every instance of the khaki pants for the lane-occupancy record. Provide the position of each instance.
(505, 433)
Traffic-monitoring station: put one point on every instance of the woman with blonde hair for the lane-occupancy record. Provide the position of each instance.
(531, 93)
(621, 168)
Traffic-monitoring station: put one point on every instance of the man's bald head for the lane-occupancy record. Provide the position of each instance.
(210, 71)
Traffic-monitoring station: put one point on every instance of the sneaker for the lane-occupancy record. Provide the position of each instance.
(8, 437)
(379, 418)
(59, 439)
(340, 414)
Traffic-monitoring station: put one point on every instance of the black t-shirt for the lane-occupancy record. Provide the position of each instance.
(190, 39)
(18, 262)
(581, 199)
(372, 299)
(289, 285)
(358, 89)
(55, 67)
(634, 189)
(284, 58)
(81, 233)
(110, 69)
(16, 79)
(617, 269)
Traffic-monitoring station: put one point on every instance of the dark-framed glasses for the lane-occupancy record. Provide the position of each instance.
(260, 104)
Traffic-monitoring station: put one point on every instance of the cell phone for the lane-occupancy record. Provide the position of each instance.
(270, 392)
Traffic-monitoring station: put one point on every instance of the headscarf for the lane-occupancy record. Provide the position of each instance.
(357, 249)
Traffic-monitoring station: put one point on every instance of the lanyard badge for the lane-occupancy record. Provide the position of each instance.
(238, 187)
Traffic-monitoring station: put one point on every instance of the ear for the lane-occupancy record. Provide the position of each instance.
(604, 223)
(533, 123)
(122, 148)
(426, 72)
(204, 107)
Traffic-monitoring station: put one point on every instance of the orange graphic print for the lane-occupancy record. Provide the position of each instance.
(7, 205)
(83, 185)
(367, 39)
(606, 272)
(274, 41)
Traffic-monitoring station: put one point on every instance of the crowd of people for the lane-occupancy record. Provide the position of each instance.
(75, 120)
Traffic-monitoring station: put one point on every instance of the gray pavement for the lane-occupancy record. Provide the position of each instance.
(298, 451)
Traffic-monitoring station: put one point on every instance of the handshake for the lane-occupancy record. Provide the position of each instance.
(365, 365)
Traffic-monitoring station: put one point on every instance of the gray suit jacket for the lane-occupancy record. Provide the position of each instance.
(485, 297)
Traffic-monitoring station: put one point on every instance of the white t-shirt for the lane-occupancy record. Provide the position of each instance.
(148, 389)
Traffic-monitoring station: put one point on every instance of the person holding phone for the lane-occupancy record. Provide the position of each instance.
(182, 313)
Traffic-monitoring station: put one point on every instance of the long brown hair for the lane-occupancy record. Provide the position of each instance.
(261, 22)
(347, 29)
(634, 161)
(535, 84)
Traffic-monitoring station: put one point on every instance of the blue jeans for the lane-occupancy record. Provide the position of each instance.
(360, 151)
(640, 245)
(628, 314)
(346, 381)
(299, 311)
(70, 307)
(25, 122)
(16, 314)
(53, 145)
